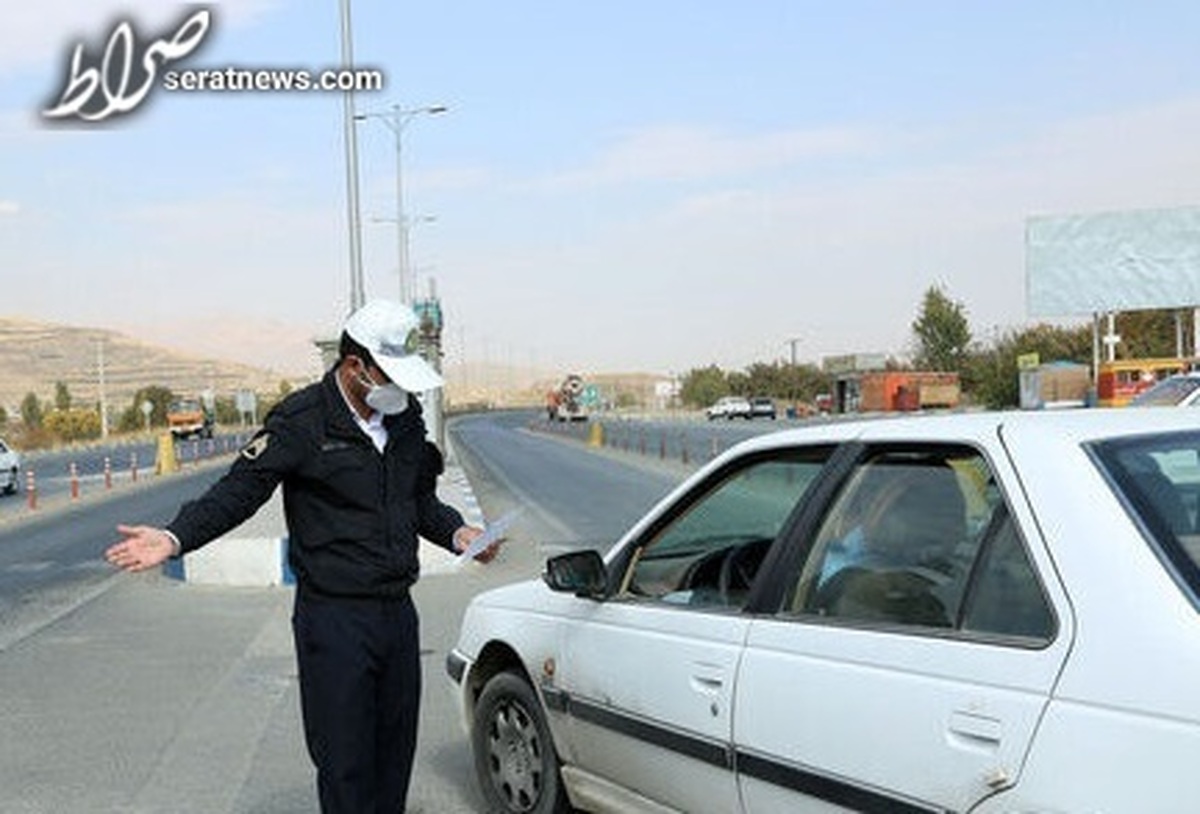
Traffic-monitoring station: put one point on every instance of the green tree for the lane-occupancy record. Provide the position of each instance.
(1150, 334)
(942, 333)
(702, 386)
(226, 412)
(3, 419)
(990, 375)
(62, 396)
(74, 425)
(31, 410)
(133, 419)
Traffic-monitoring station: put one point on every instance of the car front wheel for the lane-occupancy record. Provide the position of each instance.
(514, 753)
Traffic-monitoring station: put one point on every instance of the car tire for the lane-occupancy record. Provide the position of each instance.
(515, 761)
(11, 488)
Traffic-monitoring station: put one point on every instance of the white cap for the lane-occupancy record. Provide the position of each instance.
(391, 331)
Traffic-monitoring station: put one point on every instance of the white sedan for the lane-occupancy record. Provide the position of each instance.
(730, 407)
(10, 469)
(985, 613)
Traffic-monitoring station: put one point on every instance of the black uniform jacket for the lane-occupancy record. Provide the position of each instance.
(353, 514)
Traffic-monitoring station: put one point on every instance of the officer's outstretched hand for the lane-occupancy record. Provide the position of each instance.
(464, 537)
(142, 547)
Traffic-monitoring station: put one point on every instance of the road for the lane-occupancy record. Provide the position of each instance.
(100, 466)
(570, 495)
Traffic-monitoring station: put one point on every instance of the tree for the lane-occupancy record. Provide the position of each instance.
(990, 375)
(942, 333)
(133, 419)
(1150, 334)
(62, 396)
(74, 425)
(702, 386)
(31, 410)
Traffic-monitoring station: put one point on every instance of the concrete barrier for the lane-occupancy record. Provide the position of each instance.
(239, 561)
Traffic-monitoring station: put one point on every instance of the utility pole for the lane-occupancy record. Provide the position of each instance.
(794, 342)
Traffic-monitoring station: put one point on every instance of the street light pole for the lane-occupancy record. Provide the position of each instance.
(396, 120)
(100, 382)
(357, 291)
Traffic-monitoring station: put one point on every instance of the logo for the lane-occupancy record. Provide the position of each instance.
(256, 447)
(119, 82)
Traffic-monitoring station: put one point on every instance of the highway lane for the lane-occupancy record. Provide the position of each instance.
(124, 461)
(52, 560)
(569, 497)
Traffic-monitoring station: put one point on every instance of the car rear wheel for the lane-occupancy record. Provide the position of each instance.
(11, 488)
(515, 760)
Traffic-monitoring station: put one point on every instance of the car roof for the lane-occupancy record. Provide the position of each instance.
(1068, 426)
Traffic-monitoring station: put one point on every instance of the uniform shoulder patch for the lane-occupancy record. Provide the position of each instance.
(256, 446)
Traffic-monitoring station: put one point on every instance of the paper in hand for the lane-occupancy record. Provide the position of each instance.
(491, 533)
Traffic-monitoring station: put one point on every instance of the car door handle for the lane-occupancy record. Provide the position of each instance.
(976, 729)
(707, 679)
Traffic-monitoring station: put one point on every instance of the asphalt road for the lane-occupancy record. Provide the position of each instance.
(52, 580)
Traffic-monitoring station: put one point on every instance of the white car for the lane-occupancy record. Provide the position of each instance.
(10, 469)
(977, 612)
(730, 407)
(1181, 390)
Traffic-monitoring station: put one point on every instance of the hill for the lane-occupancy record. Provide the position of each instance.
(34, 356)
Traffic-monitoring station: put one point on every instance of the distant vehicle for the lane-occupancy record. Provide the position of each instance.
(913, 615)
(1182, 390)
(762, 407)
(566, 402)
(189, 417)
(1120, 381)
(10, 468)
(729, 407)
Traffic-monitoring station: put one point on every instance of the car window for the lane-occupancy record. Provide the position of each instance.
(708, 554)
(903, 543)
(1168, 392)
(1007, 599)
(1158, 478)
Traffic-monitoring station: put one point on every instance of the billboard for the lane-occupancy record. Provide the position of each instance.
(1112, 261)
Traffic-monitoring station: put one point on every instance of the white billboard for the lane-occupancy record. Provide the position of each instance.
(1113, 261)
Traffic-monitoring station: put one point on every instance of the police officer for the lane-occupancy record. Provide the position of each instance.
(359, 482)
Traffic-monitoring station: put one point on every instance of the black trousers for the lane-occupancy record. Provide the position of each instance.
(360, 690)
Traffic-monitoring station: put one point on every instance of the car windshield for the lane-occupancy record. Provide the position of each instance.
(1168, 392)
(1159, 478)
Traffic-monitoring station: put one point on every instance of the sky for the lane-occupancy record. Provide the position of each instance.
(628, 185)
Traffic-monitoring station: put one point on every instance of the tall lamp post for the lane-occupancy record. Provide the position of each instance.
(397, 118)
(353, 218)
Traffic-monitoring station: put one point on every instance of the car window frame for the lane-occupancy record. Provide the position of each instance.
(798, 549)
(626, 558)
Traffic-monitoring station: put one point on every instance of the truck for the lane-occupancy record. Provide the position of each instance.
(190, 417)
(565, 403)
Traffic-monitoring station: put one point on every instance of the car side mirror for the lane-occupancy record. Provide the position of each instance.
(578, 572)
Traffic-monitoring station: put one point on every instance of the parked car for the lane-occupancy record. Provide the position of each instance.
(729, 407)
(974, 612)
(1180, 390)
(10, 468)
(762, 407)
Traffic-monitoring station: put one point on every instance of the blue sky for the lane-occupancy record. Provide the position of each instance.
(648, 185)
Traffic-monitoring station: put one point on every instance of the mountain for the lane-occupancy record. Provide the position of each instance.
(34, 356)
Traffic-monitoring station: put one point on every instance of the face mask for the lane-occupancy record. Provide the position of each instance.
(388, 399)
